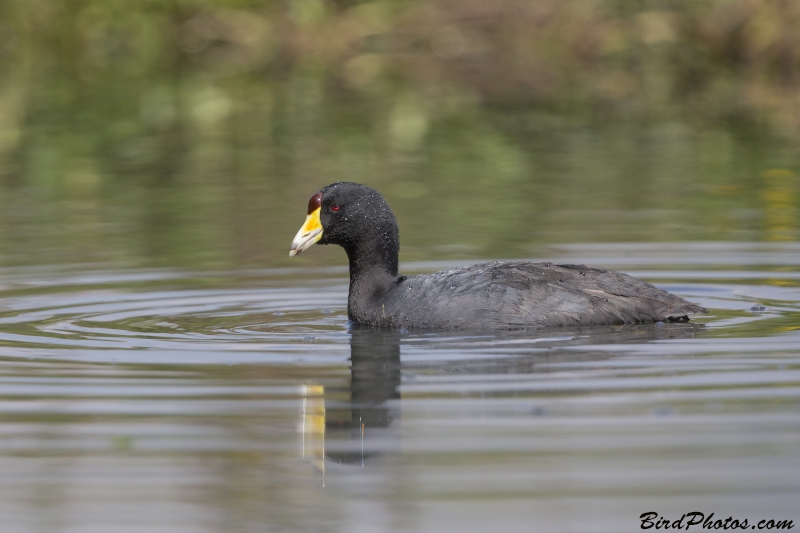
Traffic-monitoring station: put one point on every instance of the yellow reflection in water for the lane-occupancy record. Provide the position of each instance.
(780, 212)
(313, 424)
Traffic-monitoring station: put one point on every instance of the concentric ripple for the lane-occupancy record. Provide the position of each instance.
(120, 323)
(171, 317)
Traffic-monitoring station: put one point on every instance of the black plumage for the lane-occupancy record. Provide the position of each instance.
(488, 296)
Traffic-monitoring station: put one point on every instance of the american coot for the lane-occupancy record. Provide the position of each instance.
(488, 296)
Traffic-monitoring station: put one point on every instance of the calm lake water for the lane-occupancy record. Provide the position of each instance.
(166, 367)
(237, 401)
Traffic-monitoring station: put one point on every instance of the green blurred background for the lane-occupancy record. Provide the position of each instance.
(190, 133)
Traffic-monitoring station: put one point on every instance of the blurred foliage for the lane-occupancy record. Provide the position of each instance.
(192, 132)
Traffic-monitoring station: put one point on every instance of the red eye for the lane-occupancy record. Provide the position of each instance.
(335, 207)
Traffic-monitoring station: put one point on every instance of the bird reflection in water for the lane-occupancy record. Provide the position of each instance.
(352, 425)
(341, 426)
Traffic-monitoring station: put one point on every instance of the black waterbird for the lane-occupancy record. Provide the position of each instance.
(487, 296)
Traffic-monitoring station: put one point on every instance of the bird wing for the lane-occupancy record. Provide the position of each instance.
(522, 294)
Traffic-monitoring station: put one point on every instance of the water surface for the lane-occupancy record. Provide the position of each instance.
(166, 400)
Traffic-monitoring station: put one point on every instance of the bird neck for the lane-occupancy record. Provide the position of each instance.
(376, 257)
(373, 271)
